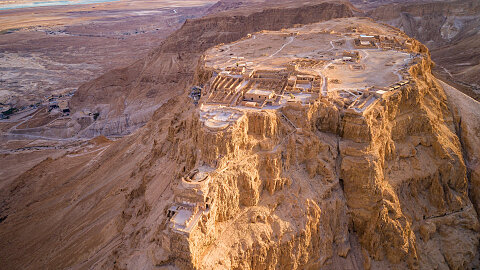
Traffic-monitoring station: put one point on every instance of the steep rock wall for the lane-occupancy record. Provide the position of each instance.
(257, 158)
(465, 112)
(394, 177)
(410, 173)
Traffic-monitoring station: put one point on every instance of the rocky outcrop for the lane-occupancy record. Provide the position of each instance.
(261, 156)
(403, 178)
(300, 196)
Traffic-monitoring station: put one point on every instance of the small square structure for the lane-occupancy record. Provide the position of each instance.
(259, 95)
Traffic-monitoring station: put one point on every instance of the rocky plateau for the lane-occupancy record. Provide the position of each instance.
(264, 135)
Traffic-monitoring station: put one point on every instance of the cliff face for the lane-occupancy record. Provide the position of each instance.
(276, 195)
(305, 186)
(308, 186)
(465, 111)
(126, 98)
(405, 179)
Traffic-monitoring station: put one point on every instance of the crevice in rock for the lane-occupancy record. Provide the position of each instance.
(458, 132)
(2, 219)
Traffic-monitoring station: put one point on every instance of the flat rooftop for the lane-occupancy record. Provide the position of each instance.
(260, 92)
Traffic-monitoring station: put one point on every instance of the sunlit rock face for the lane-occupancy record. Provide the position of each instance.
(329, 142)
(318, 146)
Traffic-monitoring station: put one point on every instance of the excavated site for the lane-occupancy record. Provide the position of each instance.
(326, 145)
(302, 152)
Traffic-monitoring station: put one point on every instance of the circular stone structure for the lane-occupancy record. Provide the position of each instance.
(218, 118)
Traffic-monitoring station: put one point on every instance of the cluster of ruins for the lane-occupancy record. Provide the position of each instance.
(380, 41)
(241, 86)
(193, 212)
(192, 201)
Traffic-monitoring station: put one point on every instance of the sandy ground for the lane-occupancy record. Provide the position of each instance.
(272, 50)
(53, 50)
(28, 160)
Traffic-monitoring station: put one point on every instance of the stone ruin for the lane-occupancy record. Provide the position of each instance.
(259, 88)
(192, 213)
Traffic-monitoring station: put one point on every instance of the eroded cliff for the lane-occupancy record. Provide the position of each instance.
(287, 161)
(314, 184)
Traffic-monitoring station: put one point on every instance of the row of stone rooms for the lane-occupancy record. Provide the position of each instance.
(240, 86)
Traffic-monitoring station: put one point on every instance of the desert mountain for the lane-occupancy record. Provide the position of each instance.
(295, 136)
(326, 145)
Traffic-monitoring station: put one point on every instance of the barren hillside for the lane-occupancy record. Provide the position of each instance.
(126, 98)
(323, 146)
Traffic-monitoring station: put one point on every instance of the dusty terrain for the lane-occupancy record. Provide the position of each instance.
(314, 173)
(53, 50)
(265, 135)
